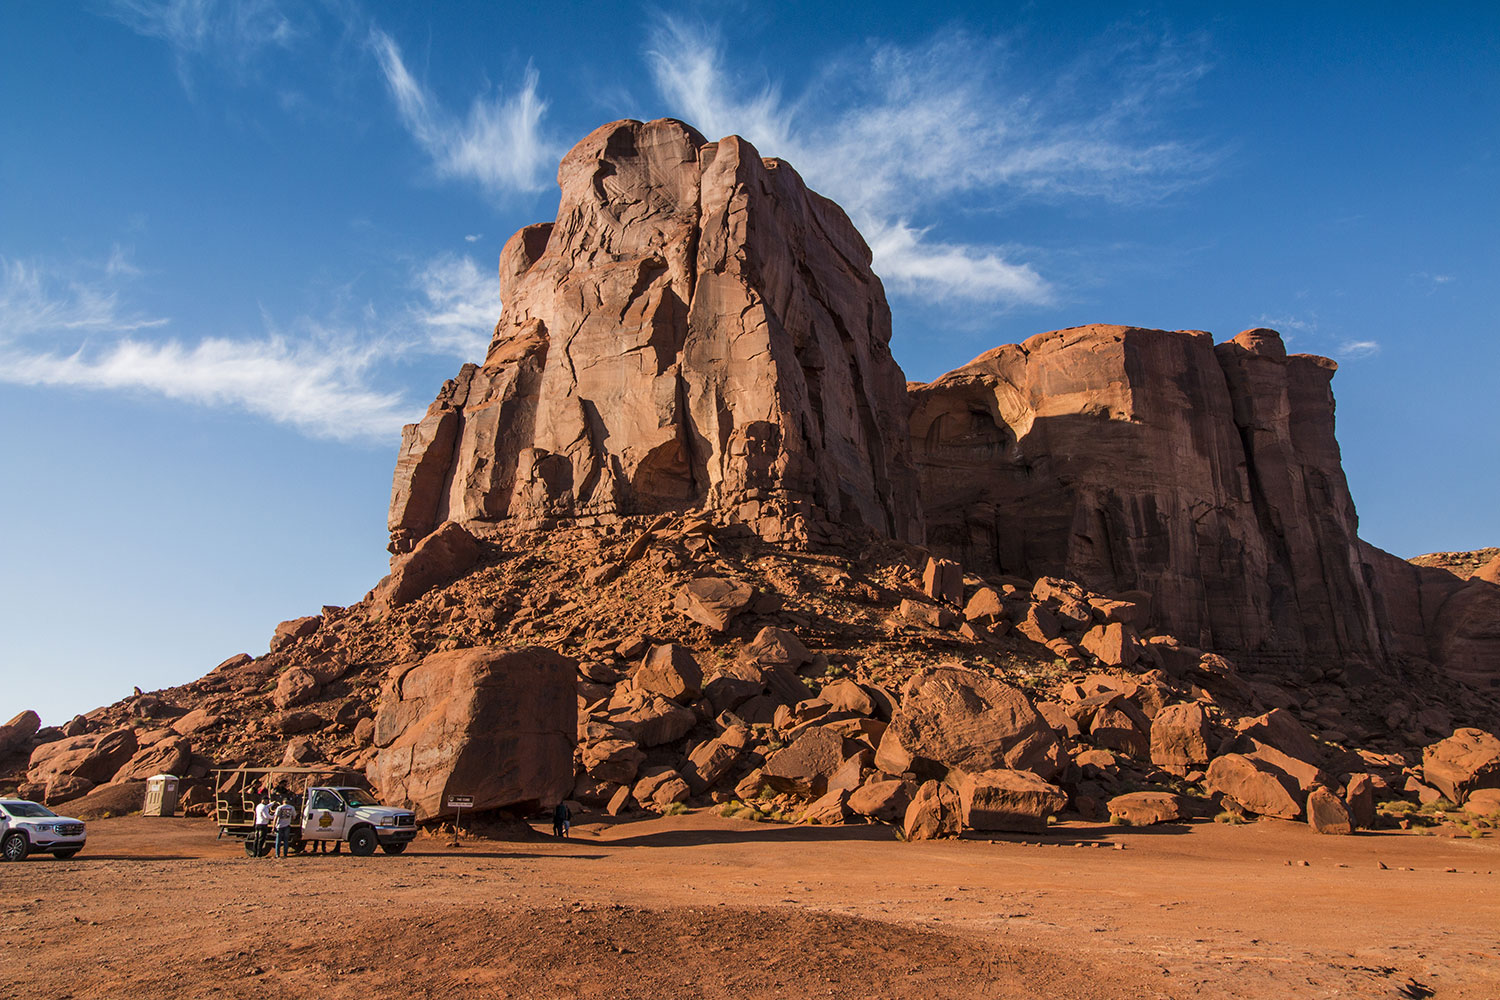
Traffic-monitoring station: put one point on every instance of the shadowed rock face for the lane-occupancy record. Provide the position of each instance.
(696, 329)
(1146, 459)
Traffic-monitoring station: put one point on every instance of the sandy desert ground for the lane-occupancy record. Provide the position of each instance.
(701, 906)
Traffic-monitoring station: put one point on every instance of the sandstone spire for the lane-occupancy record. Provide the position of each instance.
(696, 329)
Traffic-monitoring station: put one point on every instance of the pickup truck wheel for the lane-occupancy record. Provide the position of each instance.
(393, 848)
(15, 847)
(65, 855)
(362, 842)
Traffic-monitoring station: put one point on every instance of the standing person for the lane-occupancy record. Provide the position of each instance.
(562, 818)
(283, 817)
(262, 825)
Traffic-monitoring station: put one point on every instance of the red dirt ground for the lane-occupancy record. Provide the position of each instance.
(700, 906)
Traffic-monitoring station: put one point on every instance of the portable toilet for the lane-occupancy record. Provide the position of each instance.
(161, 795)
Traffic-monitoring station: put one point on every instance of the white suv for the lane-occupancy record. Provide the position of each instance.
(30, 826)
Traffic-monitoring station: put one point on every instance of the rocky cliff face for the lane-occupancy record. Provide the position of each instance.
(1133, 459)
(697, 329)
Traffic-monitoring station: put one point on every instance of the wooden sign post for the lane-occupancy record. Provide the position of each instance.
(458, 803)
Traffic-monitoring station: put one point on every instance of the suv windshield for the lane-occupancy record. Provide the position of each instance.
(27, 810)
(356, 797)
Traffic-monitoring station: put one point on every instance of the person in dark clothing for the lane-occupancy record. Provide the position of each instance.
(562, 818)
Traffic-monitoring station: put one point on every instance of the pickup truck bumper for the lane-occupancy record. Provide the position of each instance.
(396, 835)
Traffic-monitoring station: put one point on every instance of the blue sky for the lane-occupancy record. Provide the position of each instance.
(241, 244)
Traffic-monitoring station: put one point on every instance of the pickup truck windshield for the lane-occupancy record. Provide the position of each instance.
(27, 810)
(357, 798)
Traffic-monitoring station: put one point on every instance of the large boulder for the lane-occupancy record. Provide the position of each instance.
(1179, 736)
(1327, 812)
(1114, 644)
(616, 761)
(439, 558)
(17, 733)
(953, 717)
(671, 671)
(696, 330)
(654, 721)
(934, 812)
(294, 687)
(883, 799)
(943, 580)
(773, 647)
(1008, 800)
(806, 765)
(1467, 760)
(168, 756)
(714, 601)
(494, 723)
(290, 631)
(1359, 797)
(712, 760)
(94, 756)
(1147, 808)
(1254, 786)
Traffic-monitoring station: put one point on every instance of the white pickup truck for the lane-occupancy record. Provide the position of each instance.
(330, 813)
(354, 815)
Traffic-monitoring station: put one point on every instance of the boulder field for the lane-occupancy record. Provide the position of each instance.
(688, 537)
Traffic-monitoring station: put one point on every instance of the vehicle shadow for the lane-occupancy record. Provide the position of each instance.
(86, 858)
(492, 854)
(764, 834)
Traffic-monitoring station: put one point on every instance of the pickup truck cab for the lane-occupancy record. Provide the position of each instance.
(354, 815)
(30, 827)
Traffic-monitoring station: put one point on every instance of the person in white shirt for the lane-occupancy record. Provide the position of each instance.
(262, 825)
(282, 817)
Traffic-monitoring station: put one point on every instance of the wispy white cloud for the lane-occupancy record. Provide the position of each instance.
(1356, 349)
(910, 263)
(320, 389)
(322, 378)
(460, 308)
(500, 145)
(937, 124)
(35, 300)
(473, 237)
(1283, 323)
(234, 30)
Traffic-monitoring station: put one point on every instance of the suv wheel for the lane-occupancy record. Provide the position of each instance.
(15, 847)
(65, 855)
(362, 842)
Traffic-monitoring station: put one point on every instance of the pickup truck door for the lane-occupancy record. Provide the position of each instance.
(325, 816)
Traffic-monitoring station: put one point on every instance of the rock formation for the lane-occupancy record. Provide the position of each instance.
(1208, 476)
(664, 549)
(696, 329)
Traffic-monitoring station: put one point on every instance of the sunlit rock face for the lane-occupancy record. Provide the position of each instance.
(1132, 459)
(697, 329)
